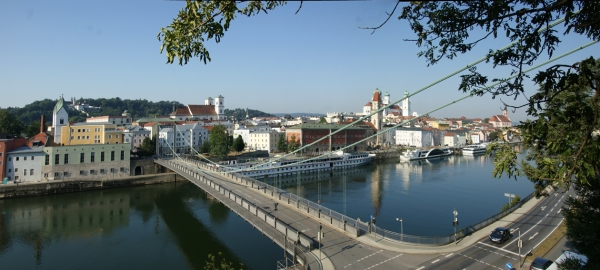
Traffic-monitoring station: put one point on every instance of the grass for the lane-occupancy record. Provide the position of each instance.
(549, 243)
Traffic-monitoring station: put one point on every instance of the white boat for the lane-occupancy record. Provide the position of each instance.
(425, 154)
(333, 161)
(475, 149)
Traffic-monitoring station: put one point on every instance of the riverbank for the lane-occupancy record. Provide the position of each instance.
(58, 187)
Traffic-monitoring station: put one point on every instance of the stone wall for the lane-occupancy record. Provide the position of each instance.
(143, 166)
(57, 187)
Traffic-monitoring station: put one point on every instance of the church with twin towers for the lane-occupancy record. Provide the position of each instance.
(393, 111)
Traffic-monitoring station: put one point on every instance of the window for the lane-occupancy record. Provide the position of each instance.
(25, 172)
(65, 173)
(122, 155)
(112, 155)
(113, 170)
(122, 169)
(32, 157)
(56, 159)
(24, 158)
(9, 170)
(16, 177)
(92, 171)
(110, 136)
(55, 174)
(102, 171)
(0, 154)
(17, 159)
(87, 137)
(66, 161)
(117, 136)
(92, 156)
(62, 121)
(101, 156)
(81, 172)
(9, 159)
(79, 137)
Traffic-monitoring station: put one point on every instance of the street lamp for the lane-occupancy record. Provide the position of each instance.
(455, 223)
(401, 229)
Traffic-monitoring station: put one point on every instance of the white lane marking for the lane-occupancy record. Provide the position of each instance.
(497, 253)
(559, 211)
(546, 236)
(481, 262)
(436, 261)
(449, 255)
(555, 204)
(514, 230)
(420, 267)
(507, 251)
(377, 264)
(533, 235)
(552, 209)
(543, 207)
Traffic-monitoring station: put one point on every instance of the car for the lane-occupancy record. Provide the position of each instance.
(540, 263)
(500, 235)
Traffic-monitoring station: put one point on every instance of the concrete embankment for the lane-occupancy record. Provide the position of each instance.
(57, 187)
(386, 154)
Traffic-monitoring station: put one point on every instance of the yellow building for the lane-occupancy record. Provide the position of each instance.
(441, 125)
(91, 133)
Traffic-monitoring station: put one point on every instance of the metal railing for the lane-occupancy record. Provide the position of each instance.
(359, 227)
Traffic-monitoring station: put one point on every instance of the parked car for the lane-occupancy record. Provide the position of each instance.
(500, 235)
(540, 263)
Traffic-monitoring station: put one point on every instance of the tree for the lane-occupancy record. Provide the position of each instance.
(493, 135)
(219, 141)
(9, 124)
(322, 120)
(486, 120)
(149, 145)
(282, 143)
(32, 129)
(293, 144)
(205, 148)
(238, 144)
(212, 264)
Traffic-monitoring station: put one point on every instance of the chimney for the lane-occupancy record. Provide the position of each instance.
(42, 123)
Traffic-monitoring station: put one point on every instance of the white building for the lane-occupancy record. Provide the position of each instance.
(24, 164)
(263, 140)
(450, 139)
(135, 135)
(246, 131)
(188, 137)
(406, 105)
(213, 109)
(119, 120)
(414, 137)
(475, 137)
(60, 118)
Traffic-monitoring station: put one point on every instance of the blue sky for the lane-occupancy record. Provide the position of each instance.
(317, 61)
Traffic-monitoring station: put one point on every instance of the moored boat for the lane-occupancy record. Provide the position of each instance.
(475, 149)
(425, 154)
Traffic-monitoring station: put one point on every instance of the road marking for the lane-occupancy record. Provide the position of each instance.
(559, 211)
(543, 207)
(449, 255)
(552, 209)
(481, 262)
(420, 267)
(514, 230)
(436, 261)
(507, 251)
(492, 251)
(555, 204)
(377, 264)
(533, 235)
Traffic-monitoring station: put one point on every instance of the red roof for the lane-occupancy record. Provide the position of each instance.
(181, 111)
(499, 118)
(449, 134)
(376, 96)
(369, 104)
(395, 107)
(202, 109)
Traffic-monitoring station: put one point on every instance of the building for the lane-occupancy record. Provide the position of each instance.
(501, 121)
(24, 164)
(91, 133)
(60, 118)
(245, 132)
(450, 139)
(417, 137)
(86, 162)
(135, 135)
(7, 145)
(119, 120)
(309, 133)
(185, 139)
(211, 110)
(377, 119)
(406, 105)
(440, 124)
(263, 140)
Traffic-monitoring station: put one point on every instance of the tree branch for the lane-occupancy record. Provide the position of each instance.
(386, 20)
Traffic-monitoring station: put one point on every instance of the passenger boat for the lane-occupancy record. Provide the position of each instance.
(425, 154)
(333, 161)
(475, 149)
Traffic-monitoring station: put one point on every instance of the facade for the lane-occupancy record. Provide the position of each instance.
(91, 133)
(60, 118)
(450, 139)
(417, 137)
(476, 137)
(187, 140)
(309, 133)
(441, 125)
(135, 135)
(25, 164)
(377, 119)
(263, 140)
(406, 105)
(122, 120)
(86, 162)
(7, 145)
(213, 109)
(246, 131)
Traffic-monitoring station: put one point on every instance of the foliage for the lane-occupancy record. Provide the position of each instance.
(493, 136)
(486, 120)
(238, 144)
(148, 146)
(239, 114)
(213, 264)
(32, 129)
(513, 202)
(200, 21)
(581, 216)
(322, 120)
(282, 145)
(9, 124)
(219, 141)
(571, 263)
(205, 148)
(293, 144)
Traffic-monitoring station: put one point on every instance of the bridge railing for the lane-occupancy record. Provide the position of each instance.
(355, 226)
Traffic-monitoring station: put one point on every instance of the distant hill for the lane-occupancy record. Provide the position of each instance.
(300, 114)
(241, 113)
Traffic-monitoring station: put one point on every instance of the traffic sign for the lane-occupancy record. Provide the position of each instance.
(509, 266)
(520, 244)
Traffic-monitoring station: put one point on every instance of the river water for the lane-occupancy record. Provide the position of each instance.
(177, 226)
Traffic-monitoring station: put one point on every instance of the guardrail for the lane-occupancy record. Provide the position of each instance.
(356, 227)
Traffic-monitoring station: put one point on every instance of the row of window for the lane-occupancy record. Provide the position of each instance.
(82, 157)
(31, 172)
(18, 158)
(85, 172)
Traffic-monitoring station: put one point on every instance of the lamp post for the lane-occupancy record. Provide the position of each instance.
(509, 196)
(455, 223)
(401, 229)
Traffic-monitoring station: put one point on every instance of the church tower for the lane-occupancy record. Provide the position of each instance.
(60, 117)
(220, 106)
(406, 105)
(377, 118)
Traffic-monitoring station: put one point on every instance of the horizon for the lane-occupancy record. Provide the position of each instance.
(318, 58)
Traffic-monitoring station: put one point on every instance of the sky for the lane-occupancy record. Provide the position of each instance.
(316, 61)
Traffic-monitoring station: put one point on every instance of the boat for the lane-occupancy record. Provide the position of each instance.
(425, 154)
(475, 149)
(328, 162)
